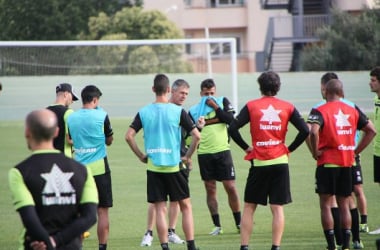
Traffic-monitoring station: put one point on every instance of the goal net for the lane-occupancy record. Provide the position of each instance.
(102, 57)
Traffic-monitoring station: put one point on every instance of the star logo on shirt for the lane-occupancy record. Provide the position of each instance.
(342, 120)
(57, 182)
(270, 115)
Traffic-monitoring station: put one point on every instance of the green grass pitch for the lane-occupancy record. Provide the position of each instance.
(122, 98)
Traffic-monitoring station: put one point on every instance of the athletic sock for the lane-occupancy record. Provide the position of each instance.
(191, 245)
(102, 246)
(237, 218)
(355, 224)
(171, 231)
(150, 232)
(346, 233)
(363, 219)
(165, 246)
(337, 228)
(216, 220)
(329, 235)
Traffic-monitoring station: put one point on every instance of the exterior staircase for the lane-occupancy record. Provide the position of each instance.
(282, 55)
(282, 39)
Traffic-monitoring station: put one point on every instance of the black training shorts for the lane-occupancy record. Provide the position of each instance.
(268, 182)
(217, 166)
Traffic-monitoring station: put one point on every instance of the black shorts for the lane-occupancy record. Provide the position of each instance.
(218, 166)
(357, 177)
(185, 170)
(334, 181)
(271, 182)
(161, 186)
(104, 186)
(376, 169)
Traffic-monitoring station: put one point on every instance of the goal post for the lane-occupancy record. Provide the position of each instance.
(110, 53)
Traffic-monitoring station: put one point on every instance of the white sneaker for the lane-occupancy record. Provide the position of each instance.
(174, 238)
(146, 240)
(377, 231)
(216, 231)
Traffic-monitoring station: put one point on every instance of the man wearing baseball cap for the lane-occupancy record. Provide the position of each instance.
(61, 107)
(66, 87)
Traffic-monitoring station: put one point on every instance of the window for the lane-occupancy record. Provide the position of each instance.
(216, 49)
(225, 3)
(188, 49)
(223, 49)
(187, 2)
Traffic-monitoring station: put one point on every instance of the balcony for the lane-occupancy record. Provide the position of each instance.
(275, 4)
(283, 33)
(214, 3)
(287, 35)
(319, 6)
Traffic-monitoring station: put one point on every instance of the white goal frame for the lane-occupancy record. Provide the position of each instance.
(231, 41)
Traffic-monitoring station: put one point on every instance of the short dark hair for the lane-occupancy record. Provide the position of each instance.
(208, 84)
(375, 72)
(269, 83)
(328, 76)
(89, 93)
(160, 84)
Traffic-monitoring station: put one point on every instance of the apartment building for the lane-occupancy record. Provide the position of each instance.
(268, 33)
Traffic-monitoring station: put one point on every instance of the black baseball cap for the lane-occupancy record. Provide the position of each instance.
(66, 87)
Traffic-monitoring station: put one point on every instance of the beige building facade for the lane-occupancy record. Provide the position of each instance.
(245, 20)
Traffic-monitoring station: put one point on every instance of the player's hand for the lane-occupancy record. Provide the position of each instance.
(248, 150)
(201, 122)
(144, 159)
(317, 154)
(189, 164)
(210, 102)
(38, 245)
(186, 160)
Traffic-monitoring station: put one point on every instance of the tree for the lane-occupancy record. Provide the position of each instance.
(144, 61)
(137, 24)
(53, 19)
(108, 59)
(26, 20)
(349, 43)
(88, 20)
